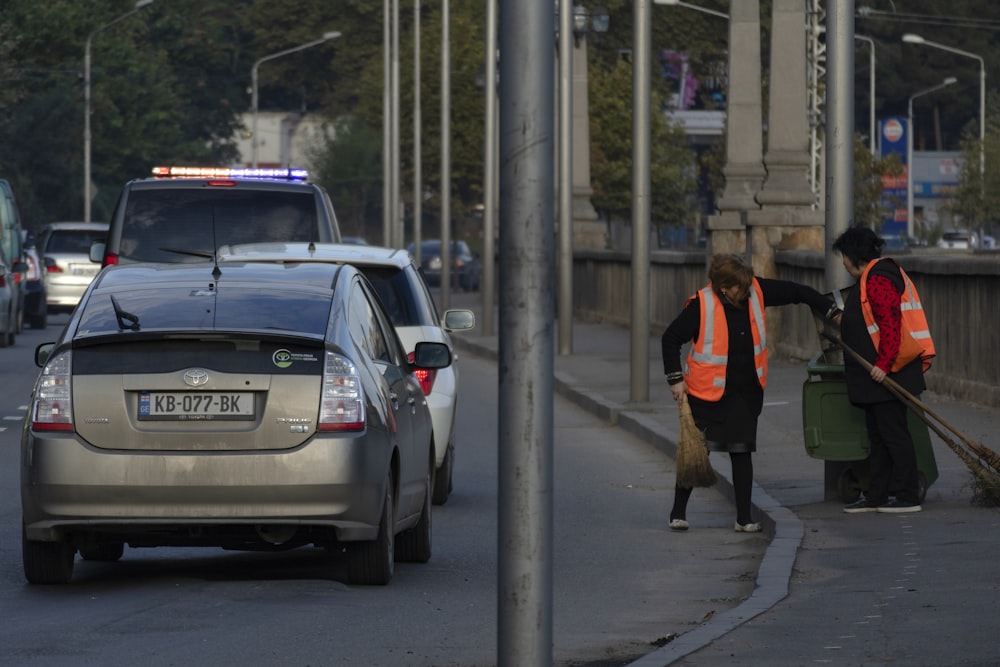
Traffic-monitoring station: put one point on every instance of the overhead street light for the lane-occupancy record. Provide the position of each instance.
(909, 149)
(86, 104)
(680, 3)
(253, 77)
(911, 38)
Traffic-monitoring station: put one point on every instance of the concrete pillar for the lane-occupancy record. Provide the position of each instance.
(588, 231)
(787, 158)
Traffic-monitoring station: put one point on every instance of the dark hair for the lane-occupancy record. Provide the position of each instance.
(730, 271)
(860, 245)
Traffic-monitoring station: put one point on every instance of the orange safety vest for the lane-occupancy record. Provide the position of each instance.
(916, 335)
(705, 372)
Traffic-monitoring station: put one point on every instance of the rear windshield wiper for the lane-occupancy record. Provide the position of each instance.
(124, 317)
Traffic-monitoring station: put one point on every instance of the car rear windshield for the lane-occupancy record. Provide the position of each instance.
(397, 292)
(228, 309)
(72, 241)
(179, 225)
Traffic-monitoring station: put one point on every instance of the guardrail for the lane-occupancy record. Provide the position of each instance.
(961, 294)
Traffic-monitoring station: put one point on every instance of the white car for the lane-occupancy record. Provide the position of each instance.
(414, 314)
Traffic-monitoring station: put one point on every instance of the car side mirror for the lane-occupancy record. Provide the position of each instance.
(42, 353)
(431, 355)
(97, 251)
(459, 320)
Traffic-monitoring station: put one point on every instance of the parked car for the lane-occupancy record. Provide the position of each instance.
(245, 406)
(958, 239)
(8, 301)
(183, 214)
(414, 314)
(35, 283)
(12, 249)
(65, 248)
(466, 270)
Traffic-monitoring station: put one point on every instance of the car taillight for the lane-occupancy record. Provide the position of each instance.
(17, 278)
(53, 268)
(110, 260)
(342, 405)
(53, 407)
(425, 376)
(32, 268)
(3, 280)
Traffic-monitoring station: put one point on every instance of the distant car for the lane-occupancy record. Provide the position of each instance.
(35, 284)
(244, 406)
(183, 214)
(414, 315)
(958, 240)
(895, 244)
(8, 301)
(65, 249)
(11, 247)
(466, 270)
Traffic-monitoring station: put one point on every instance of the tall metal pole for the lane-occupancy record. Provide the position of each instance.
(87, 187)
(386, 123)
(839, 142)
(910, 227)
(418, 185)
(394, 205)
(526, 350)
(254, 143)
(445, 154)
(641, 76)
(488, 288)
(565, 300)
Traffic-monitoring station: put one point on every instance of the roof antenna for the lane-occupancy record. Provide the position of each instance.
(216, 271)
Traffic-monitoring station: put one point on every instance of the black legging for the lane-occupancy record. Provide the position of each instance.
(742, 465)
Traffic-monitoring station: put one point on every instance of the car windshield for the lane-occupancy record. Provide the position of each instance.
(76, 241)
(232, 308)
(397, 295)
(178, 225)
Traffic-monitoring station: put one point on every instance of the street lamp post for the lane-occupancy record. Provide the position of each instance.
(679, 3)
(86, 104)
(253, 78)
(871, 91)
(909, 149)
(911, 38)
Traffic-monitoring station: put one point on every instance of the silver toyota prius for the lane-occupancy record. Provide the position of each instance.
(244, 406)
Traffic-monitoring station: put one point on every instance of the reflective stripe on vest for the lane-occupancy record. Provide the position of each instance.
(915, 340)
(705, 371)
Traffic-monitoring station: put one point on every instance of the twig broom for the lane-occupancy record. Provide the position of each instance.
(693, 467)
(982, 461)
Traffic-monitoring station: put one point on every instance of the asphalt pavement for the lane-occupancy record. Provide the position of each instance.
(917, 589)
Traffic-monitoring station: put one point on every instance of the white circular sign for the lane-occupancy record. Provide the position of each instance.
(892, 130)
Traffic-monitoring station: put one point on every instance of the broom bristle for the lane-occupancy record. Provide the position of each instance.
(693, 466)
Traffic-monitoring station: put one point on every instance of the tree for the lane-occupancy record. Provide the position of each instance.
(977, 200)
(869, 172)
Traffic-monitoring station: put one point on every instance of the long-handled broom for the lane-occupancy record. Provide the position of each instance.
(693, 466)
(982, 461)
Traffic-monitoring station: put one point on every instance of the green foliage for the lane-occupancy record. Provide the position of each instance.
(868, 174)
(672, 163)
(977, 201)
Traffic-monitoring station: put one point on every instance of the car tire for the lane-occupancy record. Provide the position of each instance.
(372, 563)
(103, 553)
(442, 478)
(46, 562)
(414, 544)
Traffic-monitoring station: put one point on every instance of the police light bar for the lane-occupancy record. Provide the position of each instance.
(231, 172)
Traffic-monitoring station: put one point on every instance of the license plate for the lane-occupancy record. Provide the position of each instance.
(83, 269)
(196, 405)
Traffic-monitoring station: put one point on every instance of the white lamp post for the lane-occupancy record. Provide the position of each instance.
(253, 77)
(86, 104)
(909, 149)
(910, 38)
(871, 91)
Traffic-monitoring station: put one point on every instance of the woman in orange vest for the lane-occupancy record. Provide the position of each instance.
(884, 322)
(726, 370)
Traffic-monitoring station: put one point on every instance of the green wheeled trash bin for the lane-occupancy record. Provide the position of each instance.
(835, 432)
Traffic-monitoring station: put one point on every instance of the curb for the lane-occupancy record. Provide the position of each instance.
(784, 530)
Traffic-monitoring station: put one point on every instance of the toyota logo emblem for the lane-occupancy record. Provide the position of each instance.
(196, 377)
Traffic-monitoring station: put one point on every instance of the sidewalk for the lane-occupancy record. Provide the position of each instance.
(596, 376)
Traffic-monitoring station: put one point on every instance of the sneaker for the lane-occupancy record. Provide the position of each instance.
(899, 507)
(678, 524)
(747, 527)
(859, 506)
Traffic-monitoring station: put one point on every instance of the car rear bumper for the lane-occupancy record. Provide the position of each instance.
(69, 487)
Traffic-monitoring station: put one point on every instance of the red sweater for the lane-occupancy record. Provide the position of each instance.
(884, 299)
